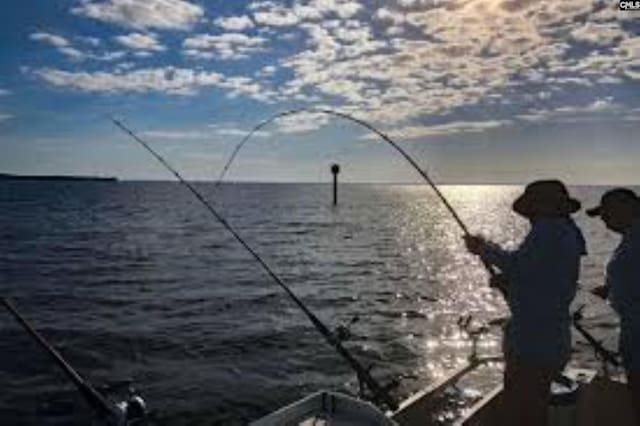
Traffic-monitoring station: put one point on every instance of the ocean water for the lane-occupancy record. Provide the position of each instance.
(135, 280)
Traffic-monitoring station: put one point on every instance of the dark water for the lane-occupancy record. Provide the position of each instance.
(135, 280)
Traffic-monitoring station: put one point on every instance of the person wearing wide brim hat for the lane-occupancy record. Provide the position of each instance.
(619, 209)
(539, 281)
(545, 198)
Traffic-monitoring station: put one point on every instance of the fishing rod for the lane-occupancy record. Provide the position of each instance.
(104, 409)
(606, 354)
(496, 280)
(371, 128)
(379, 393)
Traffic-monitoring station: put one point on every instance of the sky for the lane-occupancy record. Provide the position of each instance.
(476, 91)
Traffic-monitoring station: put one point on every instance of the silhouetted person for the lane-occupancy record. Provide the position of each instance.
(539, 281)
(619, 209)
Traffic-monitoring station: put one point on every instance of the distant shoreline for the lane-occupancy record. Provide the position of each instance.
(62, 178)
(54, 178)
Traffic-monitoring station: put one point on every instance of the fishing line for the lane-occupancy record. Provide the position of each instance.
(379, 393)
(369, 127)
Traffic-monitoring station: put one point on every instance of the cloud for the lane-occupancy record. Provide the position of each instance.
(139, 41)
(4, 117)
(224, 46)
(387, 15)
(401, 62)
(61, 44)
(599, 33)
(170, 80)
(234, 23)
(92, 41)
(4, 92)
(315, 9)
(52, 39)
(166, 79)
(571, 113)
(109, 56)
(65, 47)
(300, 123)
(160, 14)
(222, 130)
(455, 127)
(175, 134)
(598, 105)
(213, 131)
(346, 9)
(276, 16)
(414, 59)
(608, 79)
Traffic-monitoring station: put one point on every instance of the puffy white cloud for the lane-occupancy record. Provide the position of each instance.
(65, 47)
(170, 80)
(207, 41)
(234, 23)
(630, 47)
(268, 70)
(61, 44)
(224, 46)
(276, 16)
(52, 39)
(139, 41)
(421, 58)
(387, 15)
(344, 9)
(110, 56)
(401, 63)
(72, 53)
(599, 33)
(167, 79)
(142, 14)
(300, 123)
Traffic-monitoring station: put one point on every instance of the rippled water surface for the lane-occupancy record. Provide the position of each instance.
(135, 280)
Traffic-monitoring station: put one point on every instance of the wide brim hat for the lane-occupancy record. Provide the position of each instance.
(614, 199)
(545, 198)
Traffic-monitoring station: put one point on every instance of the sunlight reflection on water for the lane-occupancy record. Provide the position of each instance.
(134, 279)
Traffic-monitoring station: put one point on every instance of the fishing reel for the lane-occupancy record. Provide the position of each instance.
(343, 332)
(130, 407)
(376, 397)
(475, 332)
(134, 409)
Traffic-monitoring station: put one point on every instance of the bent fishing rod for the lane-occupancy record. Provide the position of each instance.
(103, 408)
(379, 393)
(371, 128)
(496, 279)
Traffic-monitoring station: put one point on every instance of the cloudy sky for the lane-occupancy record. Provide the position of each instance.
(476, 90)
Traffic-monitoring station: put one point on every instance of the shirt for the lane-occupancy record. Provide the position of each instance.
(623, 279)
(542, 275)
